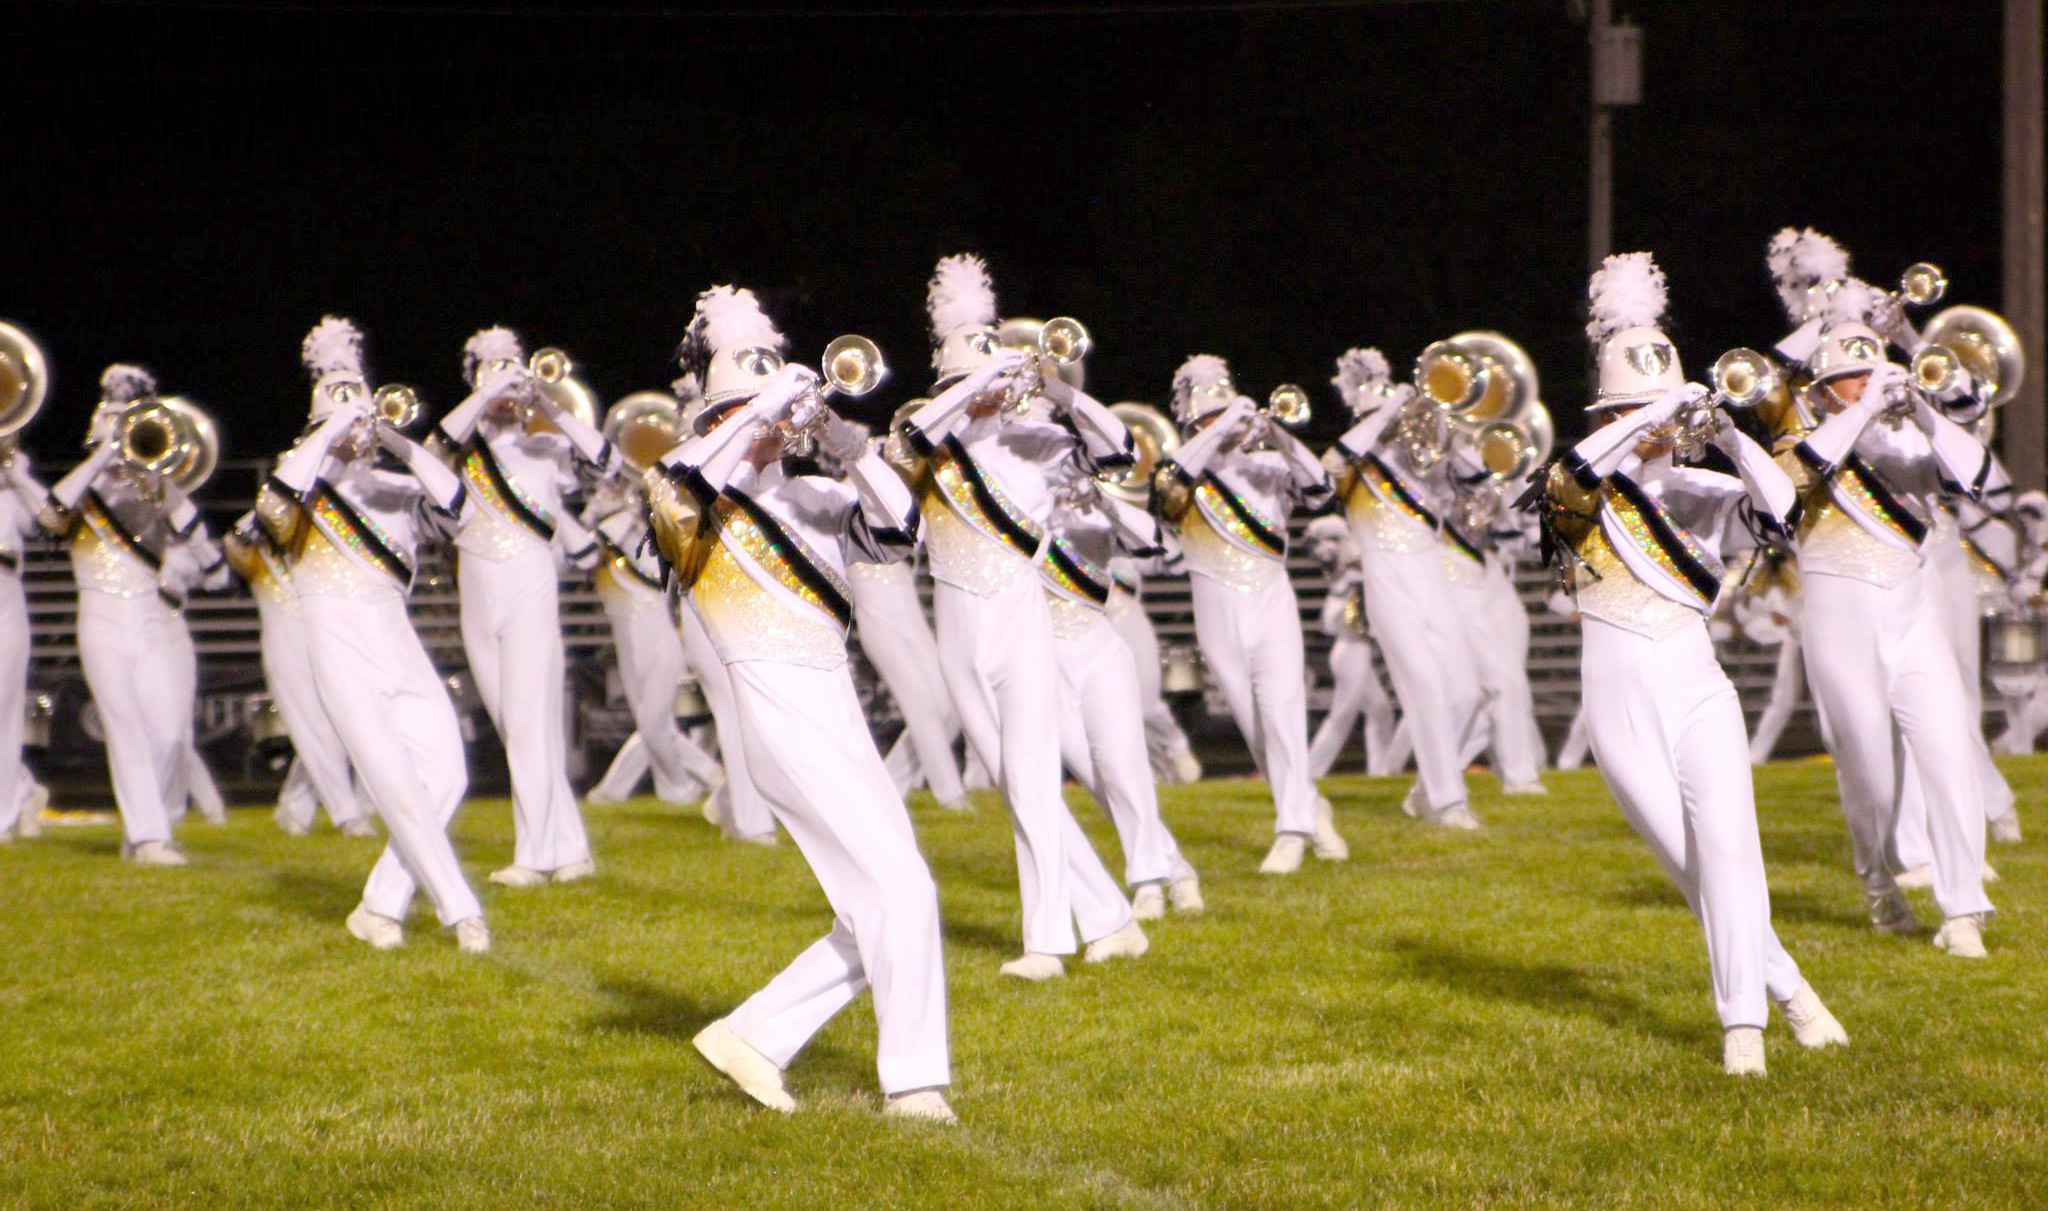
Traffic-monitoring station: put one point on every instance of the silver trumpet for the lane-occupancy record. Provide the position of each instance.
(1741, 379)
(1970, 361)
(1288, 405)
(852, 366)
(1061, 343)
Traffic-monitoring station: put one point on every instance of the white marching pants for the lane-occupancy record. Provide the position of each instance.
(14, 638)
(1666, 728)
(319, 773)
(1788, 681)
(998, 659)
(193, 783)
(124, 644)
(1251, 641)
(1572, 753)
(815, 763)
(1413, 616)
(512, 635)
(1164, 739)
(889, 620)
(391, 710)
(1356, 692)
(1885, 678)
(1500, 650)
(1102, 740)
(750, 817)
(651, 666)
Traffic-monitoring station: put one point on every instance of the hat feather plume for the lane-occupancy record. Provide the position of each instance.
(1628, 291)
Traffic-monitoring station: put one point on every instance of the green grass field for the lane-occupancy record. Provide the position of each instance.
(1514, 1018)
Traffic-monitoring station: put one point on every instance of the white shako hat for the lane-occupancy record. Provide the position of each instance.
(488, 347)
(1364, 380)
(1848, 348)
(961, 304)
(1625, 306)
(1201, 386)
(1805, 267)
(333, 353)
(733, 347)
(121, 384)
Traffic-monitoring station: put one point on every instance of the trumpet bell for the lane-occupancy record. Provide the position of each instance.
(551, 365)
(24, 379)
(1744, 378)
(396, 405)
(1065, 340)
(1923, 283)
(202, 456)
(1022, 332)
(1291, 405)
(644, 426)
(1477, 376)
(1511, 449)
(1987, 346)
(152, 437)
(853, 365)
(1156, 439)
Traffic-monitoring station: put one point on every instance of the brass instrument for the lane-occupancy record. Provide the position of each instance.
(1922, 284)
(1061, 343)
(24, 379)
(644, 426)
(172, 437)
(1510, 449)
(1477, 376)
(396, 404)
(1741, 379)
(1986, 348)
(554, 375)
(852, 367)
(1290, 405)
(1156, 439)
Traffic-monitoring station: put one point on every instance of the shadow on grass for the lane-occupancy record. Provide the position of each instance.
(663, 1013)
(1550, 987)
(316, 895)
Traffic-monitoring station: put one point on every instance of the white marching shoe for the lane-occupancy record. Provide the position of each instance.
(1916, 878)
(30, 822)
(1185, 894)
(1742, 1051)
(1285, 856)
(1413, 803)
(1889, 913)
(1186, 769)
(1149, 903)
(1810, 1020)
(603, 796)
(1127, 943)
(289, 826)
(717, 807)
(962, 804)
(153, 853)
(2006, 829)
(1329, 846)
(359, 827)
(519, 876)
(381, 932)
(928, 1105)
(1525, 788)
(1034, 966)
(755, 1074)
(1458, 817)
(573, 872)
(1963, 936)
(472, 936)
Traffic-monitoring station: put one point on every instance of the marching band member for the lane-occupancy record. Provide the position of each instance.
(517, 472)
(1767, 611)
(319, 774)
(651, 663)
(763, 554)
(1388, 486)
(1883, 671)
(1356, 690)
(1228, 491)
(1173, 759)
(1665, 722)
(21, 498)
(119, 520)
(990, 445)
(2025, 692)
(1479, 564)
(1102, 729)
(348, 503)
(193, 563)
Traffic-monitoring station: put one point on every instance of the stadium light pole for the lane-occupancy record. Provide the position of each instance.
(2025, 423)
(1617, 80)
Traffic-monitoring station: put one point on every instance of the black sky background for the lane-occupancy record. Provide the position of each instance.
(191, 186)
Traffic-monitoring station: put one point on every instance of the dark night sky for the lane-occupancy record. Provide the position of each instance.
(191, 186)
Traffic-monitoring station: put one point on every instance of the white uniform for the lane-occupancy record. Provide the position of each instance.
(194, 562)
(1233, 536)
(1102, 732)
(1879, 658)
(1759, 613)
(352, 528)
(1480, 569)
(1665, 723)
(319, 774)
(650, 652)
(1167, 744)
(128, 633)
(774, 600)
(1410, 604)
(889, 620)
(1356, 690)
(985, 509)
(511, 620)
(21, 498)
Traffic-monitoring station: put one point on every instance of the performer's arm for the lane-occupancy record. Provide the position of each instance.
(933, 423)
(1105, 440)
(60, 508)
(459, 425)
(444, 489)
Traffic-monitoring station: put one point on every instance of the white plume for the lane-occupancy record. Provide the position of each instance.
(1778, 258)
(1818, 258)
(1201, 370)
(688, 389)
(730, 317)
(121, 383)
(496, 343)
(1627, 291)
(334, 346)
(1358, 368)
(959, 294)
(1855, 301)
